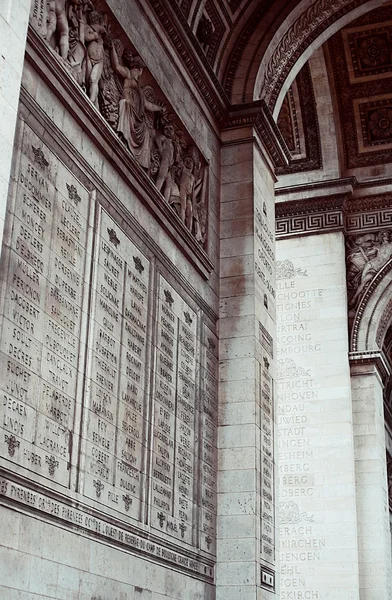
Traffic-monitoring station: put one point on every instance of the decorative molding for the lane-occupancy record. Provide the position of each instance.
(349, 182)
(241, 44)
(364, 303)
(310, 216)
(320, 15)
(257, 114)
(192, 57)
(369, 213)
(373, 359)
(384, 324)
(331, 213)
(308, 111)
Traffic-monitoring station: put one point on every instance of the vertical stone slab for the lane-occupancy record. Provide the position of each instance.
(208, 427)
(117, 380)
(246, 534)
(173, 491)
(43, 268)
(318, 542)
(374, 541)
(14, 18)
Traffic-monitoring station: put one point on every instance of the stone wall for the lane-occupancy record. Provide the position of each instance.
(108, 349)
(318, 535)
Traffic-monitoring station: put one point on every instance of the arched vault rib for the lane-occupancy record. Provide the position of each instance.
(267, 71)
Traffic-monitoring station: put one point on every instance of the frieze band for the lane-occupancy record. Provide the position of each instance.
(89, 523)
(113, 77)
(332, 213)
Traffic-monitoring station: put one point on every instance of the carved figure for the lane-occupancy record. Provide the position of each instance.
(198, 225)
(94, 37)
(77, 18)
(187, 184)
(111, 78)
(58, 24)
(110, 87)
(188, 193)
(165, 144)
(132, 118)
(365, 260)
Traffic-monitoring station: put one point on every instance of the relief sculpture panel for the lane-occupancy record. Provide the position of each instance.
(366, 254)
(90, 44)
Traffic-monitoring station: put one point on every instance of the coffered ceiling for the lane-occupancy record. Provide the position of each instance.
(361, 61)
(240, 50)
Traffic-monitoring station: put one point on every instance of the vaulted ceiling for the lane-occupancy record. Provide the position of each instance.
(359, 65)
(252, 47)
(239, 51)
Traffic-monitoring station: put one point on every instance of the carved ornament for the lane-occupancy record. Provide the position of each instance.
(89, 42)
(366, 254)
(304, 217)
(317, 18)
(257, 115)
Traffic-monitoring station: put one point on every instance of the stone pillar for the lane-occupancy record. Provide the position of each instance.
(374, 542)
(318, 524)
(14, 17)
(246, 534)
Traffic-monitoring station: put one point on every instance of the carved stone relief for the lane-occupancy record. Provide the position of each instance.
(114, 78)
(146, 385)
(366, 254)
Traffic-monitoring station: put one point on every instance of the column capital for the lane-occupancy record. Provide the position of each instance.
(371, 362)
(257, 116)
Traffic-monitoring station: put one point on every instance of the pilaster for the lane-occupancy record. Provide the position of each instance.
(368, 370)
(246, 539)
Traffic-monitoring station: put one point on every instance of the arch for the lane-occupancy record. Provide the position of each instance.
(373, 317)
(268, 64)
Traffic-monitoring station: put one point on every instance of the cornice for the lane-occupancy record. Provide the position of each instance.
(340, 211)
(373, 359)
(310, 216)
(257, 115)
(183, 40)
(349, 182)
(369, 213)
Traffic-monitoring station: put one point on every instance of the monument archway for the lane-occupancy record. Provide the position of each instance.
(161, 148)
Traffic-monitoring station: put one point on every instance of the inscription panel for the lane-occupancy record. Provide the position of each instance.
(209, 419)
(267, 464)
(117, 389)
(173, 484)
(314, 438)
(88, 365)
(43, 267)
